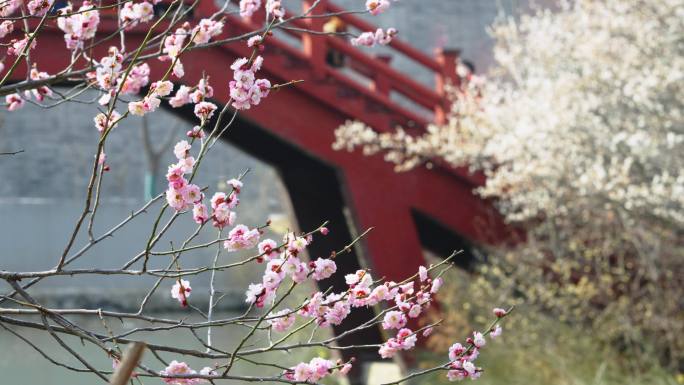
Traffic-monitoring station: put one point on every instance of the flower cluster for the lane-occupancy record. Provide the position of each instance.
(152, 101)
(16, 101)
(109, 75)
(248, 7)
(39, 7)
(315, 370)
(7, 8)
(275, 8)
(180, 195)
(204, 110)
(245, 90)
(370, 39)
(176, 368)
(78, 26)
(17, 46)
(133, 14)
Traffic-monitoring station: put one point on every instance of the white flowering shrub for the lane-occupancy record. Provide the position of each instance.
(128, 89)
(580, 134)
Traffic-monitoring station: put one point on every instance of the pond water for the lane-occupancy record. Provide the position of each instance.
(21, 364)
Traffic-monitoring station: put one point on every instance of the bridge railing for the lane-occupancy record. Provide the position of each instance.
(384, 80)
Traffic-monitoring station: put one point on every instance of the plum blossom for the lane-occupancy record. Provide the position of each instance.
(241, 237)
(205, 30)
(245, 90)
(17, 47)
(39, 7)
(496, 332)
(394, 320)
(282, 320)
(181, 291)
(323, 268)
(176, 368)
(478, 340)
(376, 7)
(6, 27)
(275, 8)
(14, 102)
(8, 7)
(134, 13)
(161, 88)
(422, 274)
(313, 371)
(205, 110)
(269, 249)
(78, 26)
(104, 122)
(436, 285)
(499, 312)
(248, 7)
(181, 97)
(200, 214)
(370, 39)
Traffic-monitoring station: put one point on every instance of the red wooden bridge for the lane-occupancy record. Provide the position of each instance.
(293, 130)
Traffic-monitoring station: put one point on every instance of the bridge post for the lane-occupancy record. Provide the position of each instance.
(315, 45)
(447, 60)
(381, 83)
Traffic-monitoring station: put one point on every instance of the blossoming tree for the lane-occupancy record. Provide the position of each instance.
(579, 132)
(127, 90)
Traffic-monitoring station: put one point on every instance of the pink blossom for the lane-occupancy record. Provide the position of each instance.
(253, 293)
(455, 351)
(222, 216)
(370, 39)
(241, 237)
(14, 102)
(323, 268)
(415, 311)
(8, 7)
(376, 7)
(248, 7)
(137, 108)
(254, 41)
(6, 27)
(269, 249)
(205, 110)
(39, 7)
(275, 8)
(17, 46)
(182, 149)
(496, 332)
(181, 291)
(78, 26)
(422, 274)
(102, 122)
(346, 368)
(427, 332)
(436, 285)
(394, 320)
(406, 338)
(478, 340)
(202, 91)
(132, 14)
(303, 372)
(282, 320)
(161, 88)
(181, 98)
(235, 184)
(499, 312)
(271, 280)
(324, 230)
(200, 213)
(174, 197)
(205, 30)
(196, 132)
(176, 368)
(192, 194)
